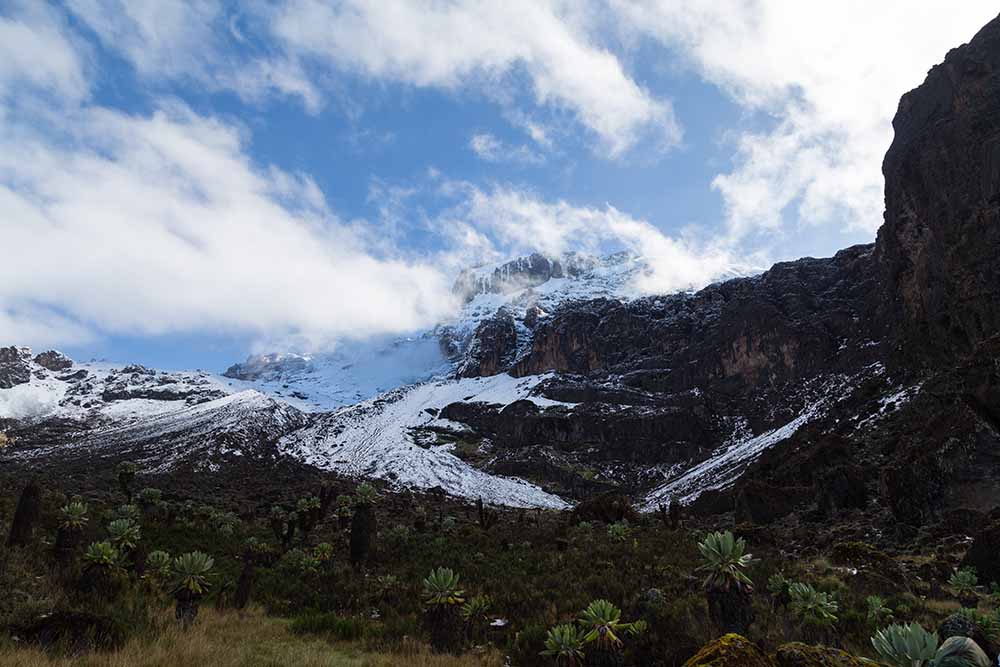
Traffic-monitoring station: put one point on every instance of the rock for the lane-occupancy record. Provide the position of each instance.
(762, 503)
(607, 507)
(730, 651)
(958, 625)
(137, 369)
(267, 366)
(841, 487)
(866, 557)
(712, 502)
(492, 347)
(803, 655)
(964, 521)
(15, 367)
(984, 555)
(515, 275)
(54, 361)
(937, 251)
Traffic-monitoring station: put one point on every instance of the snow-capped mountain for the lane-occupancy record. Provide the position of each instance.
(355, 370)
(458, 407)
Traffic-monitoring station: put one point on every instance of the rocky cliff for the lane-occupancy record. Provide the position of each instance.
(903, 328)
(821, 385)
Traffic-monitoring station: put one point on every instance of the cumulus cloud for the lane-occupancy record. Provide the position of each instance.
(484, 45)
(829, 75)
(38, 52)
(161, 223)
(194, 40)
(518, 221)
(491, 149)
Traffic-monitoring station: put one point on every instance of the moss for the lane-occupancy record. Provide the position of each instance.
(730, 651)
(803, 655)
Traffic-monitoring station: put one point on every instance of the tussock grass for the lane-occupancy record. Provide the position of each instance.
(241, 640)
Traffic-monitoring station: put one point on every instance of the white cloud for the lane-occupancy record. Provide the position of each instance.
(37, 51)
(483, 45)
(508, 221)
(193, 40)
(830, 75)
(491, 149)
(158, 224)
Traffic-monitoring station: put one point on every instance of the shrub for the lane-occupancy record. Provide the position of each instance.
(618, 531)
(565, 644)
(811, 606)
(124, 534)
(912, 646)
(725, 561)
(603, 625)
(877, 611)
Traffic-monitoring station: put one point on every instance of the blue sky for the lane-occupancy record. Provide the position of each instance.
(191, 181)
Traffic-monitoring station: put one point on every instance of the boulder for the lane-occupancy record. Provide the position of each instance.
(984, 555)
(730, 651)
(803, 655)
(15, 368)
(762, 503)
(607, 507)
(54, 361)
(492, 348)
(841, 487)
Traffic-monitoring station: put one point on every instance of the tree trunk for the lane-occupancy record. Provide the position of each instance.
(605, 657)
(244, 585)
(442, 624)
(731, 610)
(25, 516)
(67, 543)
(186, 607)
(363, 531)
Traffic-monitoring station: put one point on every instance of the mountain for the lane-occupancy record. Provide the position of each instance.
(870, 376)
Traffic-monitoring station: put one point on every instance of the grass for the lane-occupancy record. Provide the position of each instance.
(242, 640)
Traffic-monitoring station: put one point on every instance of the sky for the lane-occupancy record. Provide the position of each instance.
(182, 183)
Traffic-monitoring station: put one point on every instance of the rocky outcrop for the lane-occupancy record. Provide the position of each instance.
(530, 271)
(793, 321)
(982, 555)
(267, 366)
(937, 253)
(15, 366)
(797, 654)
(53, 361)
(492, 347)
(730, 651)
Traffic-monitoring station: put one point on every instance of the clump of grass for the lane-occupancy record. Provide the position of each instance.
(242, 640)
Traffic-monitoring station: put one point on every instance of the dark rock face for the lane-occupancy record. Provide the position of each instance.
(937, 251)
(922, 305)
(492, 347)
(518, 274)
(762, 503)
(785, 324)
(15, 368)
(841, 487)
(266, 366)
(982, 555)
(54, 361)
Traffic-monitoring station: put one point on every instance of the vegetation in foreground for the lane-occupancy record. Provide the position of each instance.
(329, 577)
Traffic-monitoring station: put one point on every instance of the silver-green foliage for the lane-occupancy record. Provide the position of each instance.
(909, 645)
(812, 606)
(726, 561)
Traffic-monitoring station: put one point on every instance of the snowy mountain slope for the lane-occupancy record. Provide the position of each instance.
(356, 370)
(377, 438)
(203, 434)
(100, 391)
